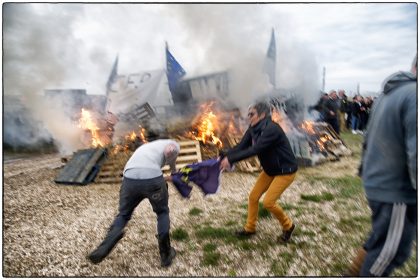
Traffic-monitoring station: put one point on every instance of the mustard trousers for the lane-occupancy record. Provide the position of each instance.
(273, 186)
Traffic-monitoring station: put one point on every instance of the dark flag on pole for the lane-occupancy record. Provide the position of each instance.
(174, 70)
(270, 60)
(112, 76)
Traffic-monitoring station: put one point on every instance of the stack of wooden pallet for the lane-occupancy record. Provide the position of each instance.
(189, 153)
(112, 169)
(249, 165)
(139, 114)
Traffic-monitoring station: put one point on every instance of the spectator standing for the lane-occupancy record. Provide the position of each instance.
(363, 115)
(320, 107)
(331, 111)
(355, 114)
(389, 174)
(343, 111)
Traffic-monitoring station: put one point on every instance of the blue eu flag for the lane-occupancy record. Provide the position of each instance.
(174, 70)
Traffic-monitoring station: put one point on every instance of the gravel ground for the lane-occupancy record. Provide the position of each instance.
(48, 229)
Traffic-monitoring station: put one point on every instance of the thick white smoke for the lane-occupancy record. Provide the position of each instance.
(234, 37)
(37, 56)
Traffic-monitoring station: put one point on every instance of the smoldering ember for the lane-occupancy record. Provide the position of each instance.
(61, 189)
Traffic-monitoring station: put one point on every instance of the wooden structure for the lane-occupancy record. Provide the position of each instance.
(189, 153)
(249, 165)
(82, 168)
(112, 169)
(139, 114)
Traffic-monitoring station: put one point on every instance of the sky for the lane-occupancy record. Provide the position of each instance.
(73, 45)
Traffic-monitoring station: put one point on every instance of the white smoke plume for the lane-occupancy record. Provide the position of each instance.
(37, 56)
(232, 37)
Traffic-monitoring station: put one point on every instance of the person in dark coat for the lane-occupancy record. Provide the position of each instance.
(355, 114)
(320, 107)
(343, 109)
(267, 140)
(389, 174)
(331, 111)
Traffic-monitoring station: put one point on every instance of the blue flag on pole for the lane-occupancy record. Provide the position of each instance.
(174, 70)
(112, 76)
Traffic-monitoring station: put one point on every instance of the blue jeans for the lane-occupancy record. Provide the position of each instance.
(355, 122)
(133, 191)
(390, 242)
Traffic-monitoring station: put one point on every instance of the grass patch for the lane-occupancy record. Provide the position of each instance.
(179, 234)
(210, 259)
(195, 211)
(232, 273)
(287, 206)
(262, 212)
(231, 223)
(246, 245)
(279, 268)
(210, 247)
(353, 142)
(354, 223)
(212, 232)
(325, 196)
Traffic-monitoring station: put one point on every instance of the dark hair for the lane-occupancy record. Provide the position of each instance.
(261, 107)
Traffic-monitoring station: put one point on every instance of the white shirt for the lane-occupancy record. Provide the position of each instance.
(148, 160)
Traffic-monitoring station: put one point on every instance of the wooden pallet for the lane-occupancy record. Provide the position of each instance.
(189, 153)
(82, 168)
(112, 169)
(248, 165)
(139, 113)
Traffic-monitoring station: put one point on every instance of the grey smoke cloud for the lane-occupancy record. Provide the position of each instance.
(234, 37)
(39, 52)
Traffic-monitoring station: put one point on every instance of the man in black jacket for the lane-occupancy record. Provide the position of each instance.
(331, 111)
(267, 140)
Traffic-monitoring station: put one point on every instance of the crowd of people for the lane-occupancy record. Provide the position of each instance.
(342, 113)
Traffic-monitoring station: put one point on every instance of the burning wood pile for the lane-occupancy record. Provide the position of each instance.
(202, 137)
(311, 142)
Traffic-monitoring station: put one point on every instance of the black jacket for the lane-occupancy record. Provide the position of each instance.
(268, 141)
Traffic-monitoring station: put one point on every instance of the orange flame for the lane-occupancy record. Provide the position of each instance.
(308, 127)
(207, 124)
(142, 134)
(86, 122)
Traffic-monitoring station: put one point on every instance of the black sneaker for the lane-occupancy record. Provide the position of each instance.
(287, 234)
(244, 233)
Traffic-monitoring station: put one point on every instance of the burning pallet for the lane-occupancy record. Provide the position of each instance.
(112, 169)
(249, 165)
(189, 153)
(322, 143)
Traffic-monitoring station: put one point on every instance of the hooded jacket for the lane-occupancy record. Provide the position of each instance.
(389, 163)
(268, 141)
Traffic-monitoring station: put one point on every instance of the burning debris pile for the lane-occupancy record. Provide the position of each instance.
(311, 142)
(211, 129)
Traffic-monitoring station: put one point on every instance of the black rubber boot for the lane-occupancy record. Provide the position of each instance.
(103, 250)
(167, 253)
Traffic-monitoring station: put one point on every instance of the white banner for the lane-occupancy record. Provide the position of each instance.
(137, 89)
